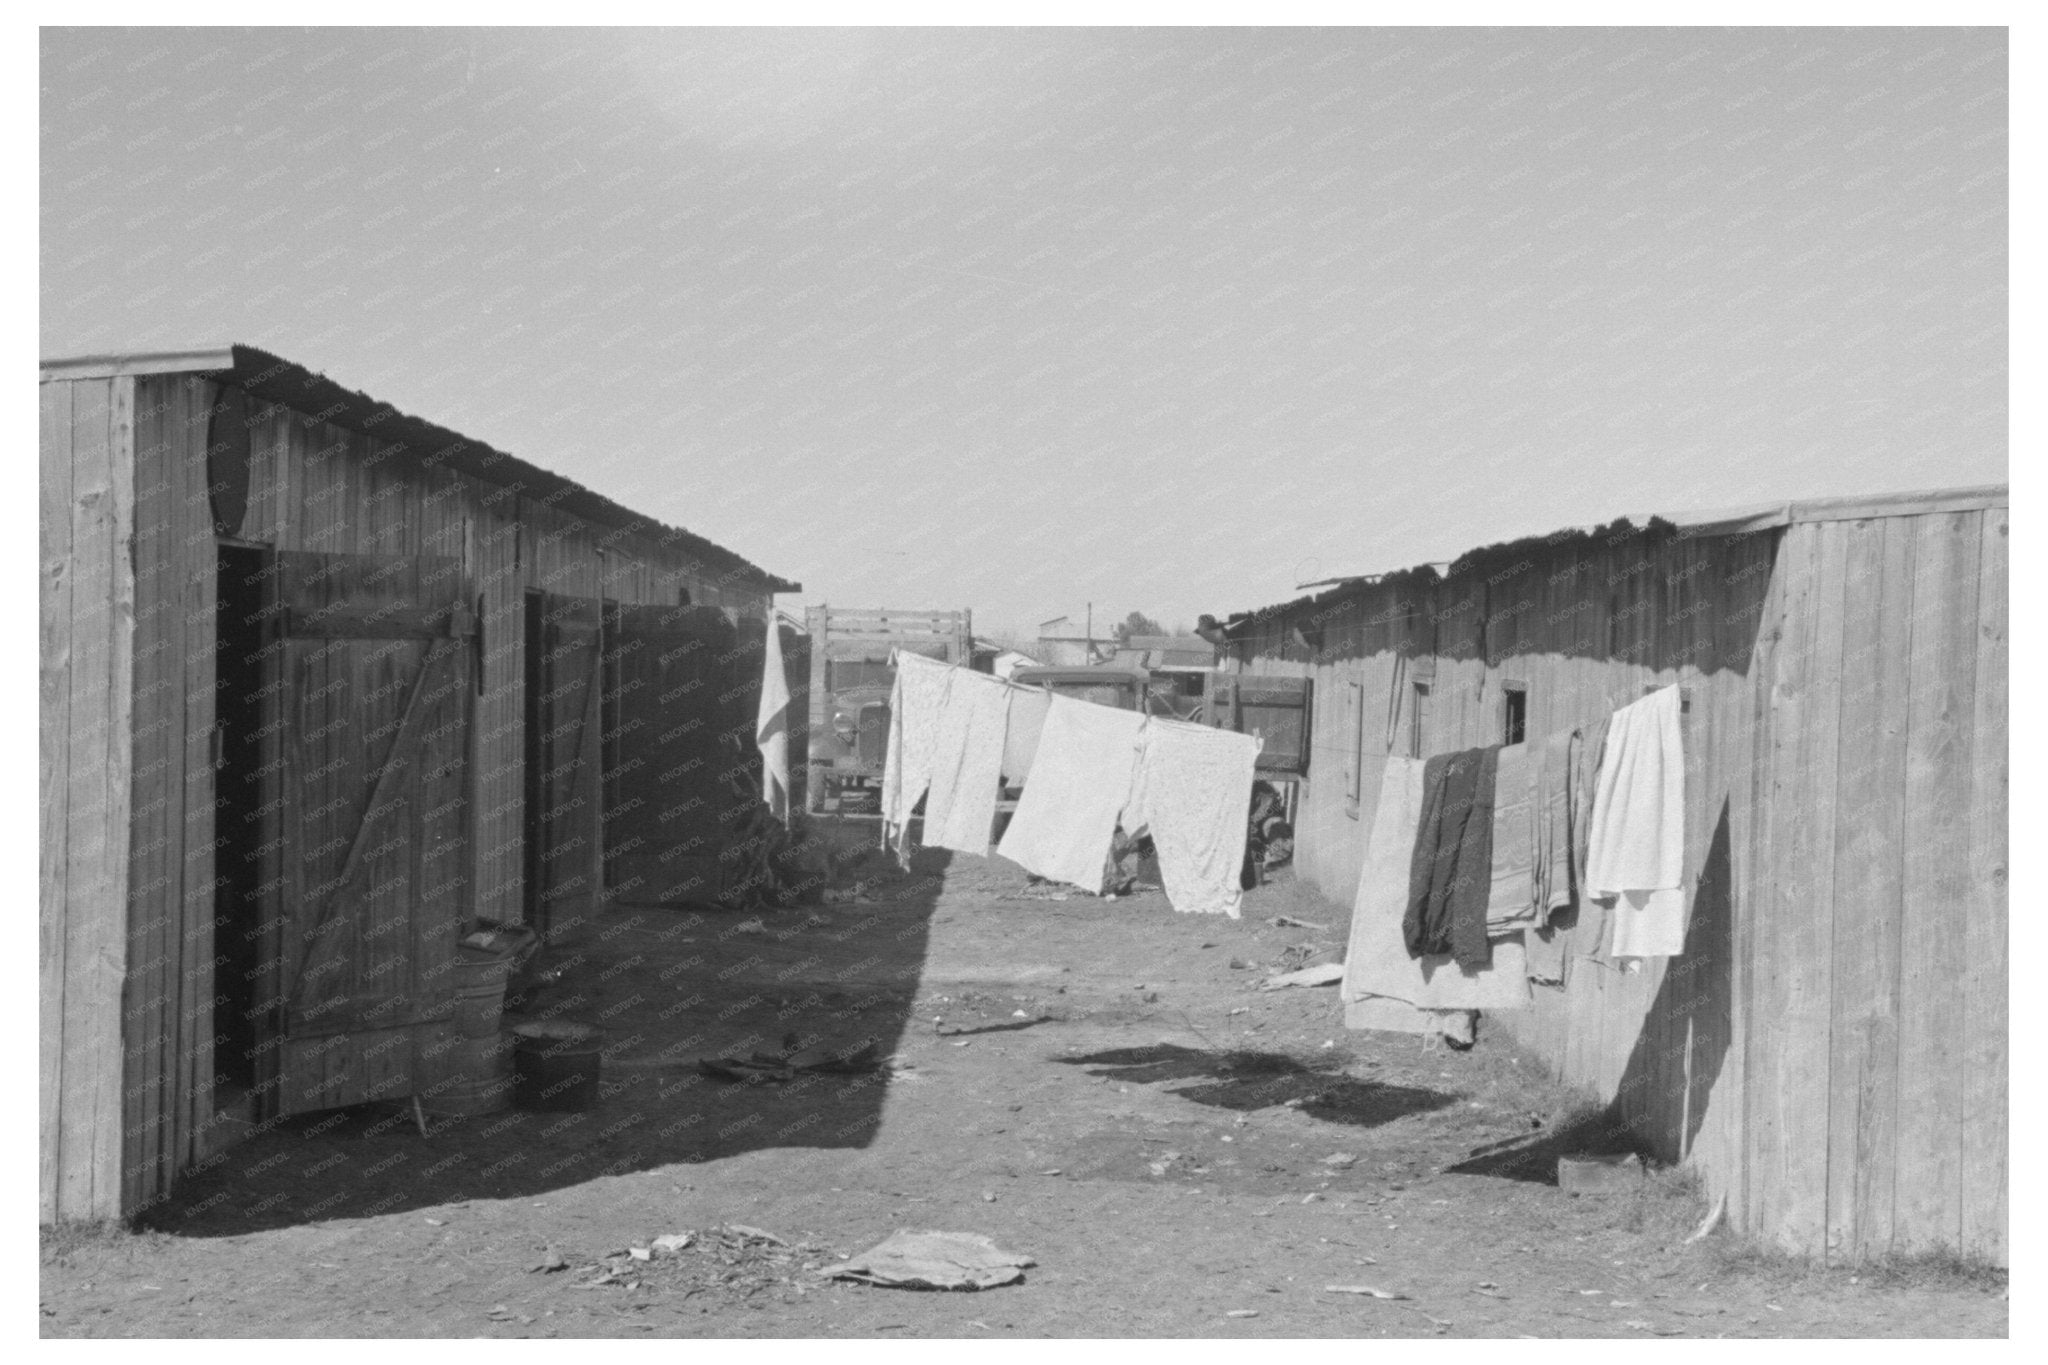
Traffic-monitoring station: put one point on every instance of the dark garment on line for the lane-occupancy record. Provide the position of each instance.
(1450, 876)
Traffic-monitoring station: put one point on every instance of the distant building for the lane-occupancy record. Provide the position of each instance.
(1064, 642)
(1166, 653)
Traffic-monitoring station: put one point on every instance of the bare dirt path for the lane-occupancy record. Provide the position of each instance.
(1097, 1084)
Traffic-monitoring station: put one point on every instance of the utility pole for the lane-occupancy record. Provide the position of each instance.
(1088, 647)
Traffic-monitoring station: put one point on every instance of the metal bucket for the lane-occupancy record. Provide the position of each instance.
(466, 1076)
(480, 978)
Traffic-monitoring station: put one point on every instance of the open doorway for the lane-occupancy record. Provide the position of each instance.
(238, 820)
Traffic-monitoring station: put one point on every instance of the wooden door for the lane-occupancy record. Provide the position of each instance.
(679, 716)
(376, 666)
(1275, 708)
(564, 686)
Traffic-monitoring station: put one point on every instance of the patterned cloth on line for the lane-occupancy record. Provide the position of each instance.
(1191, 792)
(1080, 781)
(967, 757)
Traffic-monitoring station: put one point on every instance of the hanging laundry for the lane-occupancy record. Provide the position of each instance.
(771, 724)
(916, 700)
(1544, 949)
(1451, 872)
(967, 758)
(1589, 931)
(1635, 854)
(1080, 780)
(1383, 986)
(1511, 901)
(1028, 706)
(1551, 812)
(1553, 890)
(1191, 791)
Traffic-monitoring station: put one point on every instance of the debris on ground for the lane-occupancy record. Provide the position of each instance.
(934, 1260)
(766, 1067)
(1048, 892)
(733, 1261)
(1370, 1291)
(1712, 1221)
(1329, 974)
(1302, 955)
(1290, 922)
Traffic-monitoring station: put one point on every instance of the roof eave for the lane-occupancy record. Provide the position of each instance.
(291, 385)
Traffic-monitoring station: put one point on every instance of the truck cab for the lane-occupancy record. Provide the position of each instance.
(851, 681)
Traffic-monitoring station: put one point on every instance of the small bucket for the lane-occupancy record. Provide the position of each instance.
(468, 1076)
(555, 1064)
(480, 978)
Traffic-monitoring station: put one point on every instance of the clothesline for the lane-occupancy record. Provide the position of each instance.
(1471, 876)
(1091, 769)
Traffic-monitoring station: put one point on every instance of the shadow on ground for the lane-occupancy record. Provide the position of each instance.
(1246, 1080)
(670, 987)
(1533, 1159)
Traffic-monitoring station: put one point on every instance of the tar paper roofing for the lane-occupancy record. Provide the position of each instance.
(277, 380)
(1681, 525)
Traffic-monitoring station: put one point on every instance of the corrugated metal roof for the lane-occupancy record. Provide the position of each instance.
(1682, 525)
(278, 380)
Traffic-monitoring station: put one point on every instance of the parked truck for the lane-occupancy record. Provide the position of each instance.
(851, 681)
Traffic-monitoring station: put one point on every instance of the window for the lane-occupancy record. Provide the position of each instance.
(846, 673)
(1122, 696)
(1514, 713)
(1418, 720)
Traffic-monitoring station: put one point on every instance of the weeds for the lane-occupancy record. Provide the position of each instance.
(1934, 1271)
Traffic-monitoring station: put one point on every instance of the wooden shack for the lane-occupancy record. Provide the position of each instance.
(1830, 1051)
(320, 684)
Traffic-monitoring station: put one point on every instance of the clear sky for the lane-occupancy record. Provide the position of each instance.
(1163, 319)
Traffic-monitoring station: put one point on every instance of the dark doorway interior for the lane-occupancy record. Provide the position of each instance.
(238, 818)
(530, 760)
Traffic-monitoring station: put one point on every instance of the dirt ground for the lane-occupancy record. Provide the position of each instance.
(1098, 1084)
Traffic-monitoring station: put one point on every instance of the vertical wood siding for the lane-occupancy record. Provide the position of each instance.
(167, 1021)
(127, 637)
(1879, 955)
(1830, 1050)
(86, 629)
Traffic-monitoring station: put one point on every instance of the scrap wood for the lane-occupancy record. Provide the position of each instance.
(1328, 974)
(777, 1068)
(1290, 922)
(1371, 1291)
(1711, 1221)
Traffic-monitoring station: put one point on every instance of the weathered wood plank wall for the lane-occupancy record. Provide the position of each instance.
(167, 1023)
(345, 493)
(126, 687)
(1582, 629)
(1830, 1051)
(1879, 961)
(86, 727)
